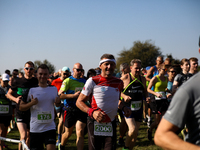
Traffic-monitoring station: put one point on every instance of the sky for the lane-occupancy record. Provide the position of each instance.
(69, 31)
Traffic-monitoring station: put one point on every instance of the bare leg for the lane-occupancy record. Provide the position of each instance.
(80, 126)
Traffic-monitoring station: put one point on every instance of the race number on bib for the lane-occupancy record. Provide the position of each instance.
(136, 105)
(163, 95)
(44, 117)
(78, 89)
(103, 129)
(4, 109)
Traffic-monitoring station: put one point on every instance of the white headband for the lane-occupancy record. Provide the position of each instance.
(104, 60)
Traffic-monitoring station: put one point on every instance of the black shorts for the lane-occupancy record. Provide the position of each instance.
(25, 120)
(99, 142)
(72, 115)
(159, 106)
(5, 120)
(37, 140)
(137, 115)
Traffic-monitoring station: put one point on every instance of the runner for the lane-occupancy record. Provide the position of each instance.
(5, 108)
(72, 115)
(133, 94)
(160, 104)
(183, 76)
(22, 86)
(65, 73)
(184, 109)
(105, 90)
(41, 104)
(193, 66)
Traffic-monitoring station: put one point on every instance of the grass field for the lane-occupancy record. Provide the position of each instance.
(142, 142)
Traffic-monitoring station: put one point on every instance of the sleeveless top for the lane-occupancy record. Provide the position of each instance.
(135, 90)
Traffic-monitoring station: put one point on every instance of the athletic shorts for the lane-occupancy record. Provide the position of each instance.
(72, 115)
(98, 142)
(37, 140)
(159, 106)
(137, 115)
(25, 120)
(5, 120)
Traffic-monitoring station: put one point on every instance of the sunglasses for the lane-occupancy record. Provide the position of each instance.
(79, 70)
(164, 69)
(66, 73)
(29, 68)
(173, 71)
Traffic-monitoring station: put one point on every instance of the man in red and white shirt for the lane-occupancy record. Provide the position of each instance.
(104, 91)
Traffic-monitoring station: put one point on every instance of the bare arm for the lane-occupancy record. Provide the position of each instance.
(166, 138)
(174, 87)
(96, 114)
(149, 73)
(151, 84)
(10, 96)
(25, 106)
(68, 96)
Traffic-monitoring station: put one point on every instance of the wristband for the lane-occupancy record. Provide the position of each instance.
(90, 112)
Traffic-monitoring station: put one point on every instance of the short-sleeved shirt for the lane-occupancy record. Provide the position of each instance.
(185, 109)
(105, 94)
(42, 114)
(57, 83)
(181, 78)
(72, 85)
(22, 86)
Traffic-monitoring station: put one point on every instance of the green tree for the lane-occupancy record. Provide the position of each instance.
(52, 68)
(146, 51)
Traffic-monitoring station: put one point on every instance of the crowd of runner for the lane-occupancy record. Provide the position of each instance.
(92, 104)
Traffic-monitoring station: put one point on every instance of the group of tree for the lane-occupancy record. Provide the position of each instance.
(146, 51)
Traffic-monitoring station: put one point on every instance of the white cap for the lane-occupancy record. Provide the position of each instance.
(5, 77)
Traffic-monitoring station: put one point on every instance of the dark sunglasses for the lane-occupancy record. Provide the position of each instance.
(66, 73)
(164, 69)
(79, 70)
(172, 71)
(27, 68)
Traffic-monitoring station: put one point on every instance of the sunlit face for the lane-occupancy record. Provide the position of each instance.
(159, 60)
(172, 73)
(78, 69)
(135, 69)
(42, 75)
(107, 68)
(162, 70)
(29, 70)
(185, 67)
(194, 65)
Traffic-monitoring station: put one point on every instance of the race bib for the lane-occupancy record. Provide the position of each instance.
(44, 117)
(78, 89)
(103, 129)
(136, 105)
(4, 109)
(163, 95)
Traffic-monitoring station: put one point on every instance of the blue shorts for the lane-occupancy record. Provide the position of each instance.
(137, 115)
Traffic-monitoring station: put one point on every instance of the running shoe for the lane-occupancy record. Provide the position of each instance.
(149, 135)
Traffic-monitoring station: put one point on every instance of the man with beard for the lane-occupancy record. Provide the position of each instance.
(21, 86)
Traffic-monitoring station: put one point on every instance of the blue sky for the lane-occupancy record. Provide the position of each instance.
(65, 32)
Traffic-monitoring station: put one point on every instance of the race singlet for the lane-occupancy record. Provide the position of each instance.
(44, 117)
(163, 95)
(136, 105)
(103, 129)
